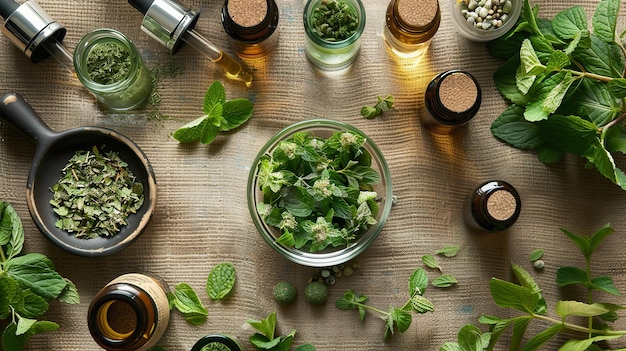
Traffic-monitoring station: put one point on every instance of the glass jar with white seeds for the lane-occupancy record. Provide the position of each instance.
(484, 20)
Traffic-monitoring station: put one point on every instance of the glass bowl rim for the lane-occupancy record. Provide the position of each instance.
(338, 256)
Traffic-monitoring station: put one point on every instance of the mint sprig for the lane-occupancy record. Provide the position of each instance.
(526, 297)
(567, 87)
(220, 115)
(382, 105)
(27, 284)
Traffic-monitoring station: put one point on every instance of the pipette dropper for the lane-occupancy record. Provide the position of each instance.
(171, 23)
(34, 32)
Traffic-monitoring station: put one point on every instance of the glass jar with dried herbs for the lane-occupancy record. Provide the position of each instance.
(110, 66)
(333, 29)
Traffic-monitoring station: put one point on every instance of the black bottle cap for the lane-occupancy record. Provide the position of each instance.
(7, 7)
(141, 5)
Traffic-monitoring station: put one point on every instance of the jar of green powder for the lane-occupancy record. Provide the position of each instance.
(110, 66)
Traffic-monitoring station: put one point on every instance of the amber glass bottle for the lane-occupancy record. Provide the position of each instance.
(251, 24)
(129, 313)
(495, 205)
(451, 100)
(410, 25)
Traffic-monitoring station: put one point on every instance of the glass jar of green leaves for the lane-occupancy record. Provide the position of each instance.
(333, 29)
(110, 66)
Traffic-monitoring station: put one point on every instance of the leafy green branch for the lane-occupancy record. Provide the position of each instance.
(27, 284)
(567, 87)
(396, 318)
(526, 297)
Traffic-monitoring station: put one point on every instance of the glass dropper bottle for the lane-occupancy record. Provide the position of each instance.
(34, 32)
(171, 23)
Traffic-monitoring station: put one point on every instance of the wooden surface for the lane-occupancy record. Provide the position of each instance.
(202, 217)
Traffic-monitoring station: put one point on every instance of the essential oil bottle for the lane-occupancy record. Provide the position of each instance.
(410, 26)
(129, 313)
(494, 206)
(451, 100)
(251, 25)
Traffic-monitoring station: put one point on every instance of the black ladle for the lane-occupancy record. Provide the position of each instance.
(53, 151)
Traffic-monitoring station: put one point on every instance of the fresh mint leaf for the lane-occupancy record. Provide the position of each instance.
(605, 20)
(69, 294)
(384, 104)
(305, 347)
(444, 281)
(265, 326)
(23, 325)
(512, 128)
(420, 304)
(192, 131)
(215, 95)
(431, 262)
(548, 97)
(543, 337)
(536, 255)
(11, 231)
(235, 113)
(36, 272)
(186, 301)
(506, 294)
(220, 115)
(569, 23)
(401, 318)
(616, 139)
(570, 275)
(576, 308)
(470, 338)
(30, 304)
(568, 133)
(605, 284)
(530, 64)
(418, 282)
(557, 61)
(603, 161)
(448, 251)
(265, 339)
(617, 87)
(604, 59)
(221, 280)
(593, 102)
(506, 83)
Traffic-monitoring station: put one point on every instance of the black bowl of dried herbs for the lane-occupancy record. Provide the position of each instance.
(91, 191)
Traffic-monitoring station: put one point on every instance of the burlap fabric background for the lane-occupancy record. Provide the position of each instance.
(202, 217)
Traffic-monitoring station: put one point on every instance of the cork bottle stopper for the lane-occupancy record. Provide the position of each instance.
(458, 92)
(501, 205)
(247, 13)
(417, 13)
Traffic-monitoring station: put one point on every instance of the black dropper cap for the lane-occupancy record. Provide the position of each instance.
(7, 7)
(140, 5)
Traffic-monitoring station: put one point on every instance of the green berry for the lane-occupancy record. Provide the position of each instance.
(316, 293)
(284, 293)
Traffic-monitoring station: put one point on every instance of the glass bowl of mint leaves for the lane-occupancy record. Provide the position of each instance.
(319, 192)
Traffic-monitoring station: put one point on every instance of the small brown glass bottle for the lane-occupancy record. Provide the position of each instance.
(129, 313)
(451, 100)
(495, 205)
(251, 24)
(410, 25)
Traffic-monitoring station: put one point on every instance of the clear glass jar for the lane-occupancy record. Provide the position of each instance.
(451, 100)
(494, 206)
(332, 55)
(129, 313)
(410, 26)
(473, 30)
(252, 34)
(222, 340)
(133, 87)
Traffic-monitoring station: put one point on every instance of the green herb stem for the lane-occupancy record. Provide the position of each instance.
(575, 327)
(589, 75)
(384, 313)
(613, 122)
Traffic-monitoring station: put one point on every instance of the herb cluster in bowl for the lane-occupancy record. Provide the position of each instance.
(319, 186)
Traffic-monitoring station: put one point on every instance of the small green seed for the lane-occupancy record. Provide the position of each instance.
(284, 293)
(316, 293)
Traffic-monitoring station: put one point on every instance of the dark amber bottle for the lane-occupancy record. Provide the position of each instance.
(251, 24)
(130, 313)
(451, 100)
(495, 205)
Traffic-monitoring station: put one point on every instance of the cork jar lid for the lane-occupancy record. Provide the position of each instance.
(458, 92)
(417, 13)
(247, 13)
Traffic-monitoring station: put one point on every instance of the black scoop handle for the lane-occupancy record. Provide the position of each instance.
(141, 5)
(15, 111)
(7, 7)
